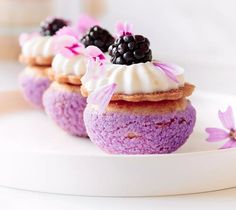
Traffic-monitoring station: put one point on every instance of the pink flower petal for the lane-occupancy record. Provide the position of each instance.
(216, 134)
(227, 118)
(228, 144)
(70, 31)
(102, 96)
(86, 22)
(234, 144)
(124, 29)
(67, 46)
(170, 70)
(24, 37)
(94, 71)
(96, 54)
(90, 71)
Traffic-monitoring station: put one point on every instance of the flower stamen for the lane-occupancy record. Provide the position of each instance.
(232, 134)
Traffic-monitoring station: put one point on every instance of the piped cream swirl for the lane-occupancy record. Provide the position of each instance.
(75, 65)
(138, 78)
(38, 46)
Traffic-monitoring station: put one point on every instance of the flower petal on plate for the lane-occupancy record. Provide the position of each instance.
(234, 144)
(228, 144)
(227, 118)
(169, 70)
(102, 96)
(216, 134)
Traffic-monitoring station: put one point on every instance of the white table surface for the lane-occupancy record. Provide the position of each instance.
(12, 199)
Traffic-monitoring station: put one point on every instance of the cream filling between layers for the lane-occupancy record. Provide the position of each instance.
(69, 66)
(139, 78)
(38, 46)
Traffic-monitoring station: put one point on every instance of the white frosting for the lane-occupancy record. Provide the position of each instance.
(38, 46)
(75, 65)
(136, 78)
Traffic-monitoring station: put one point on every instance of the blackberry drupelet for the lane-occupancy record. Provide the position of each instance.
(98, 37)
(50, 26)
(130, 49)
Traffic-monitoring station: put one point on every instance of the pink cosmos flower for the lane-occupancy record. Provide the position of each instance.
(218, 134)
(68, 46)
(170, 70)
(124, 29)
(102, 96)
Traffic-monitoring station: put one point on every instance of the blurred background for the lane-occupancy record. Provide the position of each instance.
(199, 35)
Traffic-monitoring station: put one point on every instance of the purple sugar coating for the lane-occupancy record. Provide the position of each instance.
(33, 88)
(66, 109)
(127, 133)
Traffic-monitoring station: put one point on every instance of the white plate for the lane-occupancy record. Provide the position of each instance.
(36, 155)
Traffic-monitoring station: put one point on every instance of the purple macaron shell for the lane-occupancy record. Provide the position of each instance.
(66, 109)
(154, 133)
(33, 88)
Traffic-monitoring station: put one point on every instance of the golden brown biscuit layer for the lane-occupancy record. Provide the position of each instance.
(173, 94)
(36, 61)
(69, 79)
(65, 87)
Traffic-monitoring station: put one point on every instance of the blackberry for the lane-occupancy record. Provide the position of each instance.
(98, 37)
(50, 26)
(130, 49)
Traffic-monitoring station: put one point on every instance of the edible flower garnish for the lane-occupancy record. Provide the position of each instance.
(123, 28)
(170, 70)
(218, 134)
(102, 96)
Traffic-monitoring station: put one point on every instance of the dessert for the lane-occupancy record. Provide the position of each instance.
(37, 54)
(137, 105)
(63, 101)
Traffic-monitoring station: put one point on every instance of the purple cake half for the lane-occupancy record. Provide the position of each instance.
(65, 105)
(141, 128)
(33, 83)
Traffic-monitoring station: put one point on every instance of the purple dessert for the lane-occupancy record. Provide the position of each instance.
(137, 105)
(65, 105)
(124, 132)
(33, 87)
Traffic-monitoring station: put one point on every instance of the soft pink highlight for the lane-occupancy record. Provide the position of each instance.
(85, 22)
(70, 31)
